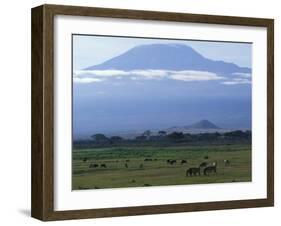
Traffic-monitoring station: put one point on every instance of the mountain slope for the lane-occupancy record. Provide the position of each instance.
(203, 124)
(167, 57)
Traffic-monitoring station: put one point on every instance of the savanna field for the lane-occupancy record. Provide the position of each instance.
(116, 167)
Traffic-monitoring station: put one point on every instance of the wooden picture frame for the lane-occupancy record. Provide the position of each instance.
(43, 112)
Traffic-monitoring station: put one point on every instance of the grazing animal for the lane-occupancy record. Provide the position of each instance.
(206, 157)
(93, 165)
(226, 162)
(183, 161)
(85, 159)
(193, 171)
(103, 165)
(126, 165)
(203, 164)
(168, 161)
(173, 161)
(127, 160)
(214, 163)
(147, 159)
(210, 169)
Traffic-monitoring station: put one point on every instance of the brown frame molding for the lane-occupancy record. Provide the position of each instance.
(42, 202)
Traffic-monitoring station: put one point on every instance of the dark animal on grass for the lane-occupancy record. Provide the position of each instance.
(127, 160)
(173, 161)
(126, 165)
(169, 160)
(155, 159)
(183, 161)
(147, 185)
(85, 159)
(226, 162)
(93, 165)
(210, 169)
(103, 165)
(203, 164)
(193, 171)
(206, 157)
(147, 159)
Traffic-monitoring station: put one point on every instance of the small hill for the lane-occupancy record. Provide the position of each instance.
(203, 124)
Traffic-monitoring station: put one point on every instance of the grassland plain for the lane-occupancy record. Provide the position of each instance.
(147, 166)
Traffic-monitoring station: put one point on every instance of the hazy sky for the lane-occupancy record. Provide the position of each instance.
(111, 100)
(93, 50)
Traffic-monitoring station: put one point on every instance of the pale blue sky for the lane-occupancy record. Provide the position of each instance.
(93, 50)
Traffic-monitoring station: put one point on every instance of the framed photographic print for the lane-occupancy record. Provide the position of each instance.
(141, 112)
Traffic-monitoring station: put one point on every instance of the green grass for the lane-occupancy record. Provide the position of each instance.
(158, 172)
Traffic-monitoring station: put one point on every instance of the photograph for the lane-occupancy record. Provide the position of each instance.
(159, 112)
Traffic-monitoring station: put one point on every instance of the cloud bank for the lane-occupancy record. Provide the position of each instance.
(237, 81)
(91, 76)
(95, 76)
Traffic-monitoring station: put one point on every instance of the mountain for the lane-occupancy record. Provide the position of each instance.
(203, 124)
(167, 57)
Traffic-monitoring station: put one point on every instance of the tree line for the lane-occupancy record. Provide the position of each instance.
(163, 138)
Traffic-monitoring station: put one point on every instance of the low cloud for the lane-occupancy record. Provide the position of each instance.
(244, 75)
(89, 76)
(86, 80)
(237, 81)
(189, 76)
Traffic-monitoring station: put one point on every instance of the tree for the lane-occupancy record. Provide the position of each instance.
(147, 133)
(176, 135)
(141, 138)
(162, 133)
(100, 138)
(116, 139)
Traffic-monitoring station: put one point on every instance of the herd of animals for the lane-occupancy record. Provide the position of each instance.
(205, 168)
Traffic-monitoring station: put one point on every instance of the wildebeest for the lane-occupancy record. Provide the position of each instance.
(173, 161)
(85, 159)
(226, 162)
(183, 161)
(103, 165)
(147, 159)
(203, 164)
(206, 157)
(193, 171)
(210, 169)
(93, 165)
